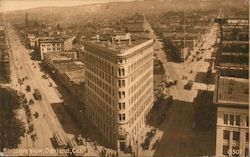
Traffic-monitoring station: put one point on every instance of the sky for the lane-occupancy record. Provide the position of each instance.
(7, 5)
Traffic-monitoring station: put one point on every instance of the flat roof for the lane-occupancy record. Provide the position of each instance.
(68, 66)
(231, 91)
(59, 56)
(122, 47)
(76, 76)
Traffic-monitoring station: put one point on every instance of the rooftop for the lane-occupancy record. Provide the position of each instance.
(232, 91)
(60, 56)
(76, 76)
(122, 47)
(68, 66)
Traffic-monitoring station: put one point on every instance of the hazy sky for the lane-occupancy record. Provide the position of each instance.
(6, 5)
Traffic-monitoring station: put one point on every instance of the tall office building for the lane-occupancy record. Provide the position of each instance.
(119, 87)
(232, 131)
(232, 88)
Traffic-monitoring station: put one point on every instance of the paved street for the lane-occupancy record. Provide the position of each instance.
(50, 119)
(177, 133)
(47, 122)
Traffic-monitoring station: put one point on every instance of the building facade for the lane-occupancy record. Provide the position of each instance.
(119, 88)
(50, 45)
(232, 88)
(232, 130)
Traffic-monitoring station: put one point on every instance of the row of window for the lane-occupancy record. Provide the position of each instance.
(138, 83)
(48, 44)
(138, 107)
(54, 49)
(122, 117)
(121, 106)
(99, 110)
(230, 119)
(105, 105)
(121, 83)
(144, 105)
(140, 90)
(49, 49)
(141, 71)
(99, 63)
(137, 63)
(236, 135)
(226, 135)
(101, 83)
(100, 92)
(105, 76)
(121, 72)
(103, 122)
(138, 126)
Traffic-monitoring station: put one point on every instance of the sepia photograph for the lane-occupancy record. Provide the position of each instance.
(124, 78)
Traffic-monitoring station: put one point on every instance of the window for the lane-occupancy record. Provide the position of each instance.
(225, 150)
(247, 136)
(123, 83)
(120, 105)
(120, 94)
(123, 72)
(120, 117)
(231, 119)
(236, 135)
(225, 118)
(123, 94)
(237, 120)
(123, 117)
(226, 134)
(119, 83)
(119, 72)
(247, 121)
(246, 151)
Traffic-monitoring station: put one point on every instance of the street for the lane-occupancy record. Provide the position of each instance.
(177, 132)
(46, 124)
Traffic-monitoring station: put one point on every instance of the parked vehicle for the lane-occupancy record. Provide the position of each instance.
(28, 88)
(36, 114)
(44, 76)
(37, 95)
(31, 101)
(189, 85)
(170, 83)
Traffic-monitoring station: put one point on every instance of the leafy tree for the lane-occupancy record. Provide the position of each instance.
(11, 128)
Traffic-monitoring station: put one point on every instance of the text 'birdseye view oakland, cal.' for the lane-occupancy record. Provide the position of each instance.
(124, 78)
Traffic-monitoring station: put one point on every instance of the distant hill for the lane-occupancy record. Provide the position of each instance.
(75, 14)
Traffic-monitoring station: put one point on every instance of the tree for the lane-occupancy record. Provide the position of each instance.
(11, 128)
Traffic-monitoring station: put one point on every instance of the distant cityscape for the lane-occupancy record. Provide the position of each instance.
(139, 78)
